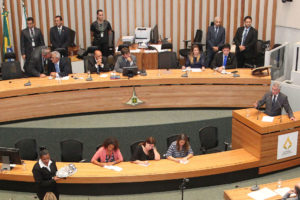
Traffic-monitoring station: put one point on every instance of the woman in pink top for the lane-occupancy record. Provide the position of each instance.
(108, 154)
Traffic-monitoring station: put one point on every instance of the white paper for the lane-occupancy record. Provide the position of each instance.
(196, 70)
(262, 194)
(65, 78)
(103, 75)
(144, 164)
(115, 168)
(184, 162)
(156, 46)
(267, 119)
(282, 191)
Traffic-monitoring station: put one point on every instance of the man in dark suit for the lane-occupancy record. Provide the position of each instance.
(31, 37)
(38, 62)
(59, 67)
(224, 60)
(126, 60)
(215, 39)
(274, 101)
(97, 63)
(245, 40)
(59, 35)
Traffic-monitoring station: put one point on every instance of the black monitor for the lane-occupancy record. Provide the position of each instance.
(154, 35)
(130, 71)
(9, 156)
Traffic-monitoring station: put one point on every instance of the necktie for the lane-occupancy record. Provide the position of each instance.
(59, 31)
(216, 32)
(244, 35)
(31, 33)
(273, 100)
(57, 68)
(225, 61)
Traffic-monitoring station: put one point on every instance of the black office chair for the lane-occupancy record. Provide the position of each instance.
(9, 55)
(261, 47)
(63, 52)
(72, 36)
(167, 60)
(69, 63)
(197, 40)
(11, 70)
(28, 149)
(71, 151)
(172, 139)
(208, 139)
(111, 43)
(134, 145)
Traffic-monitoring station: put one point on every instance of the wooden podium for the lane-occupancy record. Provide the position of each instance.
(261, 138)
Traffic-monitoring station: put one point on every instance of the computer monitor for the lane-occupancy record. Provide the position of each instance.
(9, 156)
(130, 71)
(154, 35)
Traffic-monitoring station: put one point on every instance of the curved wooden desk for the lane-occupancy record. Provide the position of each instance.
(203, 165)
(159, 89)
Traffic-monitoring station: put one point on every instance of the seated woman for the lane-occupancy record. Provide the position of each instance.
(44, 174)
(180, 150)
(195, 59)
(108, 154)
(145, 151)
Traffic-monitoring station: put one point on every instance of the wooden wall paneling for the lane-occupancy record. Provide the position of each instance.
(19, 6)
(236, 7)
(127, 16)
(83, 22)
(54, 8)
(1, 36)
(76, 22)
(257, 14)
(228, 21)
(47, 21)
(222, 11)
(91, 11)
(185, 19)
(26, 5)
(14, 27)
(207, 13)
(164, 18)
(200, 14)
(193, 21)
(249, 8)
(113, 14)
(242, 12)
(105, 9)
(265, 19)
(274, 11)
(216, 8)
(171, 20)
(33, 10)
(69, 18)
(134, 3)
(156, 12)
(143, 14)
(41, 17)
(61, 8)
(178, 26)
(150, 12)
(120, 17)
(98, 5)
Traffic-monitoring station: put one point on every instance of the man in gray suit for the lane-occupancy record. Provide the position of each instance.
(125, 60)
(215, 39)
(274, 101)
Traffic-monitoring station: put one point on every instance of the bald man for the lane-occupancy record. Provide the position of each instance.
(215, 39)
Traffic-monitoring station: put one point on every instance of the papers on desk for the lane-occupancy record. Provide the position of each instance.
(115, 168)
(103, 75)
(282, 191)
(184, 162)
(144, 164)
(267, 119)
(262, 194)
(196, 69)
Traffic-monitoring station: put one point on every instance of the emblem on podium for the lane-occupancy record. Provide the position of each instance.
(134, 100)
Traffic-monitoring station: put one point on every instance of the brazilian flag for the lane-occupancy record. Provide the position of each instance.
(6, 37)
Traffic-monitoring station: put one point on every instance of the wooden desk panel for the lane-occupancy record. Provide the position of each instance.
(242, 193)
(202, 165)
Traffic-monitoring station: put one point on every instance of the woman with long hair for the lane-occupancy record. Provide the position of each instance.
(145, 151)
(195, 59)
(180, 150)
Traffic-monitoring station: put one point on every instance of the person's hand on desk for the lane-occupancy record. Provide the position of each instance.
(293, 118)
(55, 178)
(53, 74)
(203, 68)
(42, 75)
(219, 69)
(242, 48)
(255, 104)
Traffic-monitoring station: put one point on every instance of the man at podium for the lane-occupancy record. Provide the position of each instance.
(274, 101)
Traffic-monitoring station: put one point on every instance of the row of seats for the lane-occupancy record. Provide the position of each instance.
(72, 150)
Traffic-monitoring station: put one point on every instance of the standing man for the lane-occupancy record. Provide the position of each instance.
(245, 40)
(31, 37)
(59, 35)
(100, 29)
(275, 101)
(215, 39)
(224, 60)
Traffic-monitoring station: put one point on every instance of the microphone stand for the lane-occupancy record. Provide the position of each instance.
(182, 186)
(258, 112)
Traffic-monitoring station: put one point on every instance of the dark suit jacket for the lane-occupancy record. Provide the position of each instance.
(218, 61)
(64, 66)
(122, 62)
(26, 42)
(250, 41)
(282, 101)
(90, 63)
(60, 41)
(211, 40)
(43, 178)
(35, 66)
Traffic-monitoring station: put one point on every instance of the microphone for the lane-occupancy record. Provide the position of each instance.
(28, 83)
(255, 187)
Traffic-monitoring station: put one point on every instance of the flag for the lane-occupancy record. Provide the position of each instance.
(24, 16)
(6, 36)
